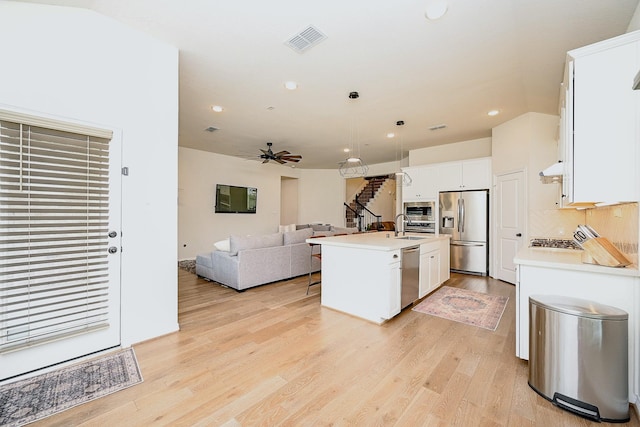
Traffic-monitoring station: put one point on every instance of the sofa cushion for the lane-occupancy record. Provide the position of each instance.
(223, 245)
(239, 243)
(347, 230)
(301, 226)
(321, 227)
(298, 236)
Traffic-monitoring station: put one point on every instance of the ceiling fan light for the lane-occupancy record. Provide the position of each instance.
(353, 159)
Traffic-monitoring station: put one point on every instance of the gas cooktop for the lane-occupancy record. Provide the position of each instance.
(554, 243)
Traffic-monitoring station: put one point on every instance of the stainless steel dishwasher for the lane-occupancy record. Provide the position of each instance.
(410, 275)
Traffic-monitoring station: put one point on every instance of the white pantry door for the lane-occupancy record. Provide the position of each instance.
(510, 220)
(59, 242)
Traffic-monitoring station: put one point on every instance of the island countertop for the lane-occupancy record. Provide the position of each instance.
(381, 240)
(568, 259)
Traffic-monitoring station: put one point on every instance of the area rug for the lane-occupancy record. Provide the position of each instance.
(38, 397)
(465, 306)
(188, 265)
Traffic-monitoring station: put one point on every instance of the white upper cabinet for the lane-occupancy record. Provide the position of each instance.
(427, 181)
(602, 135)
(423, 184)
(466, 175)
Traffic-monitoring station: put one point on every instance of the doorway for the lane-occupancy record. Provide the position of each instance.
(510, 223)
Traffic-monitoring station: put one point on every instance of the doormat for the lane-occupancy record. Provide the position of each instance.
(38, 397)
(465, 306)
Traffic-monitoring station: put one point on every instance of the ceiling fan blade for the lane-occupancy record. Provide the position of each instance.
(266, 153)
(266, 161)
(292, 156)
(291, 160)
(282, 162)
(281, 153)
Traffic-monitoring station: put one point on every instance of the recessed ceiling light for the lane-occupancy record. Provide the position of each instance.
(436, 9)
(291, 85)
(346, 150)
(493, 113)
(391, 135)
(217, 108)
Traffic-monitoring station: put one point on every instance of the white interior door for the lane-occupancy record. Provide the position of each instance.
(59, 243)
(510, 223)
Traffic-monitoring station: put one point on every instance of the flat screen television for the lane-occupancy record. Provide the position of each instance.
(233, 199)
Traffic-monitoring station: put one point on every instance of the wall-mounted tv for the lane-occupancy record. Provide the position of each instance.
(232, 199)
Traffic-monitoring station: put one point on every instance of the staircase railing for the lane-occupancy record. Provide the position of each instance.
(357, 217)
(367, 217)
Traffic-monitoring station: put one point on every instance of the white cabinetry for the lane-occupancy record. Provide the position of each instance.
(427, 181)
(423, 184)
(429, 268)
(600, 117)
(434, 265)
(395, 290)
(466, 175)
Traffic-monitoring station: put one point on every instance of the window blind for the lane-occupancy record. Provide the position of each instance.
(54, 219)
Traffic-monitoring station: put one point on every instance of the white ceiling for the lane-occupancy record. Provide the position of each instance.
(482, 55)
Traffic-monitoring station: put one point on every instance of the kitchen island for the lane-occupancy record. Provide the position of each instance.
(362, 276)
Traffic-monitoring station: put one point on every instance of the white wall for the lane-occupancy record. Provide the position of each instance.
(635, 21)
(74, 64)
(319, 199)
(529, 142)
(463, 150)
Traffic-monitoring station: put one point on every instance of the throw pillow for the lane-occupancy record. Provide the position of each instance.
(298, 236)
(222, 245)
(239, 243)
(285, 228)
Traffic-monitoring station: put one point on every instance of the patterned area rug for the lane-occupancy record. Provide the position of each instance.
(188, 265)
(464, 306)
(38, 397)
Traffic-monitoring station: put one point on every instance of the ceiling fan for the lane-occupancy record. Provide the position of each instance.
(281, 157)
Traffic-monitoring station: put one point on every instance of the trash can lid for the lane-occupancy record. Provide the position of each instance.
(578, 307)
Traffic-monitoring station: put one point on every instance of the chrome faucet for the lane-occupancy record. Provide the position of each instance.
(395, 231)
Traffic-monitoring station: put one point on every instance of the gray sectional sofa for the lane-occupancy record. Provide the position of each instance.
(256, 260)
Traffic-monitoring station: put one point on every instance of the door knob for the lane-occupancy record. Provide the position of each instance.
(519, 235)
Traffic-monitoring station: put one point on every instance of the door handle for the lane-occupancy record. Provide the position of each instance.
(518, 234)
(113, 250)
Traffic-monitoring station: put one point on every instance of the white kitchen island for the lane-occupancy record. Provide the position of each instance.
(361, 273)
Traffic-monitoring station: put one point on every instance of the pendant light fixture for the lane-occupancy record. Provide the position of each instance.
(353, 166)
(401, 175)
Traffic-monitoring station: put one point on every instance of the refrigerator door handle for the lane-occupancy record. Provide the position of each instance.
(466, 244)
(461, 215)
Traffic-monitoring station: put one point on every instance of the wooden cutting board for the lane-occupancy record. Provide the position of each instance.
(602, 252)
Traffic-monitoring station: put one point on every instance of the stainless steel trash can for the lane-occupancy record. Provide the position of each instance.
(578, 356)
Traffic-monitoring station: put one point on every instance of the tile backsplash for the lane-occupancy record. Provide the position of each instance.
(618, 223)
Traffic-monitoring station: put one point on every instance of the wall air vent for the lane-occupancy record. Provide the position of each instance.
(305, 39)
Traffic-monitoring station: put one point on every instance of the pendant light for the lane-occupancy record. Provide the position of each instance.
(353, 166)
(401, 175)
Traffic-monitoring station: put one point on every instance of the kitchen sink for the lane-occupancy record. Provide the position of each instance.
(411, 238)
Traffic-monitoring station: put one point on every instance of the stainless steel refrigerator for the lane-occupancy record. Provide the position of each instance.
(464, 215)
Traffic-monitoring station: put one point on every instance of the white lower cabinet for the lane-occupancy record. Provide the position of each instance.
(434, 267)
(614, 290)
(395, 291)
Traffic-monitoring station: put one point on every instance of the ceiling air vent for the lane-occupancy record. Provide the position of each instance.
(212, 129)
(305, 39)
(438, 127)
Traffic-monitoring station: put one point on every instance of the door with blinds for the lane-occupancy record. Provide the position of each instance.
(59, 242)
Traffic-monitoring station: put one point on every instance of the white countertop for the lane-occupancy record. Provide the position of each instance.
(380, 241)
(567, 259)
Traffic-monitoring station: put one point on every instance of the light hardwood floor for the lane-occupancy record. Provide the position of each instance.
(272, 356)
